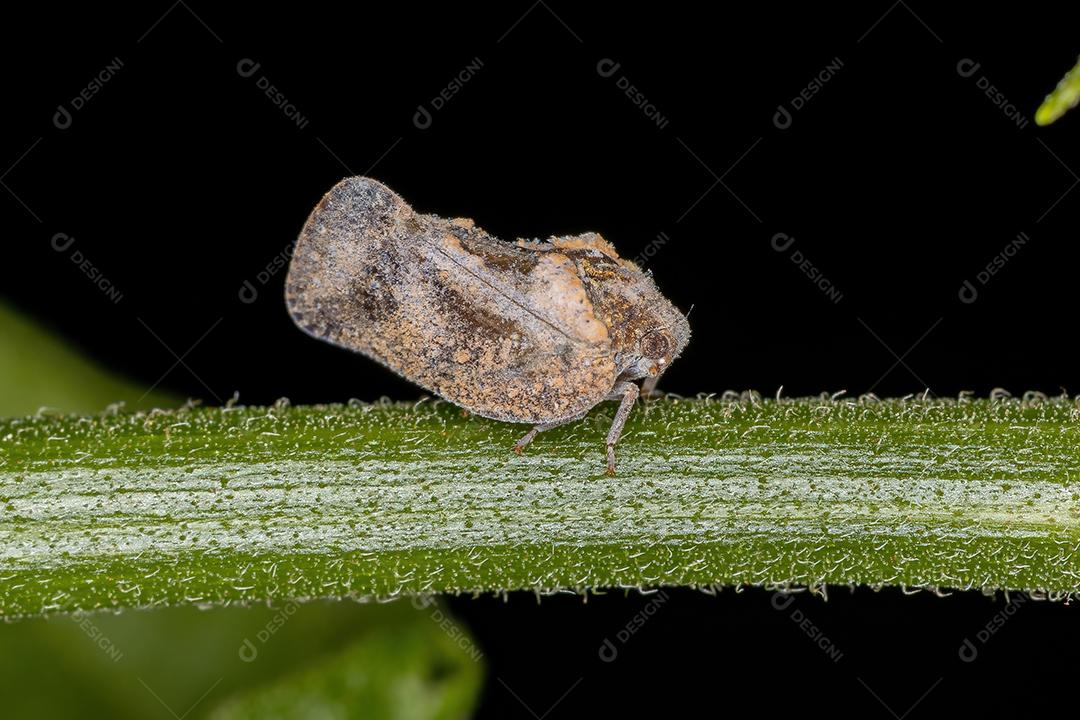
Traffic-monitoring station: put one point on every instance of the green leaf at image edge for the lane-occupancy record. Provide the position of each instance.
(1063, 98)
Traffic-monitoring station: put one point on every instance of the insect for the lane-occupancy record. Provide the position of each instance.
(530, 331)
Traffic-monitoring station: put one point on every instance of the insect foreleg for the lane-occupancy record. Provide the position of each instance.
(648, 386)
(627, 393)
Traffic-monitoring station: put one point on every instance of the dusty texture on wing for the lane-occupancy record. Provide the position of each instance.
(507, 332)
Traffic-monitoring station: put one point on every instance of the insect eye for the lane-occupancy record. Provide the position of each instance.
(655, 344)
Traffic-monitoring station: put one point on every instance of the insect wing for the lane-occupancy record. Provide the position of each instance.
(504, 332)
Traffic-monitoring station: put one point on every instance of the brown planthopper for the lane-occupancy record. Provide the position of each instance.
(532, 332)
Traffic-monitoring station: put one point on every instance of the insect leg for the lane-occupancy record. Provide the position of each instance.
(528, 437)
(628, 393)
(648, 386)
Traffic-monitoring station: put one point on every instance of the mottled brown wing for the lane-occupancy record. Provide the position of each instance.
(505, 332)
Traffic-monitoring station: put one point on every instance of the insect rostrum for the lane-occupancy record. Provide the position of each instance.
(532, 331)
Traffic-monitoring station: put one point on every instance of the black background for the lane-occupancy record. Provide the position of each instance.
(899, 180)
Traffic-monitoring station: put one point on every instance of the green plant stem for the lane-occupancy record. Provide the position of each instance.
(218, 506)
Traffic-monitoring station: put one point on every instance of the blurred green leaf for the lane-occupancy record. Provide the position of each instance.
(324, 660)
(418, 671)
(38, 370)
